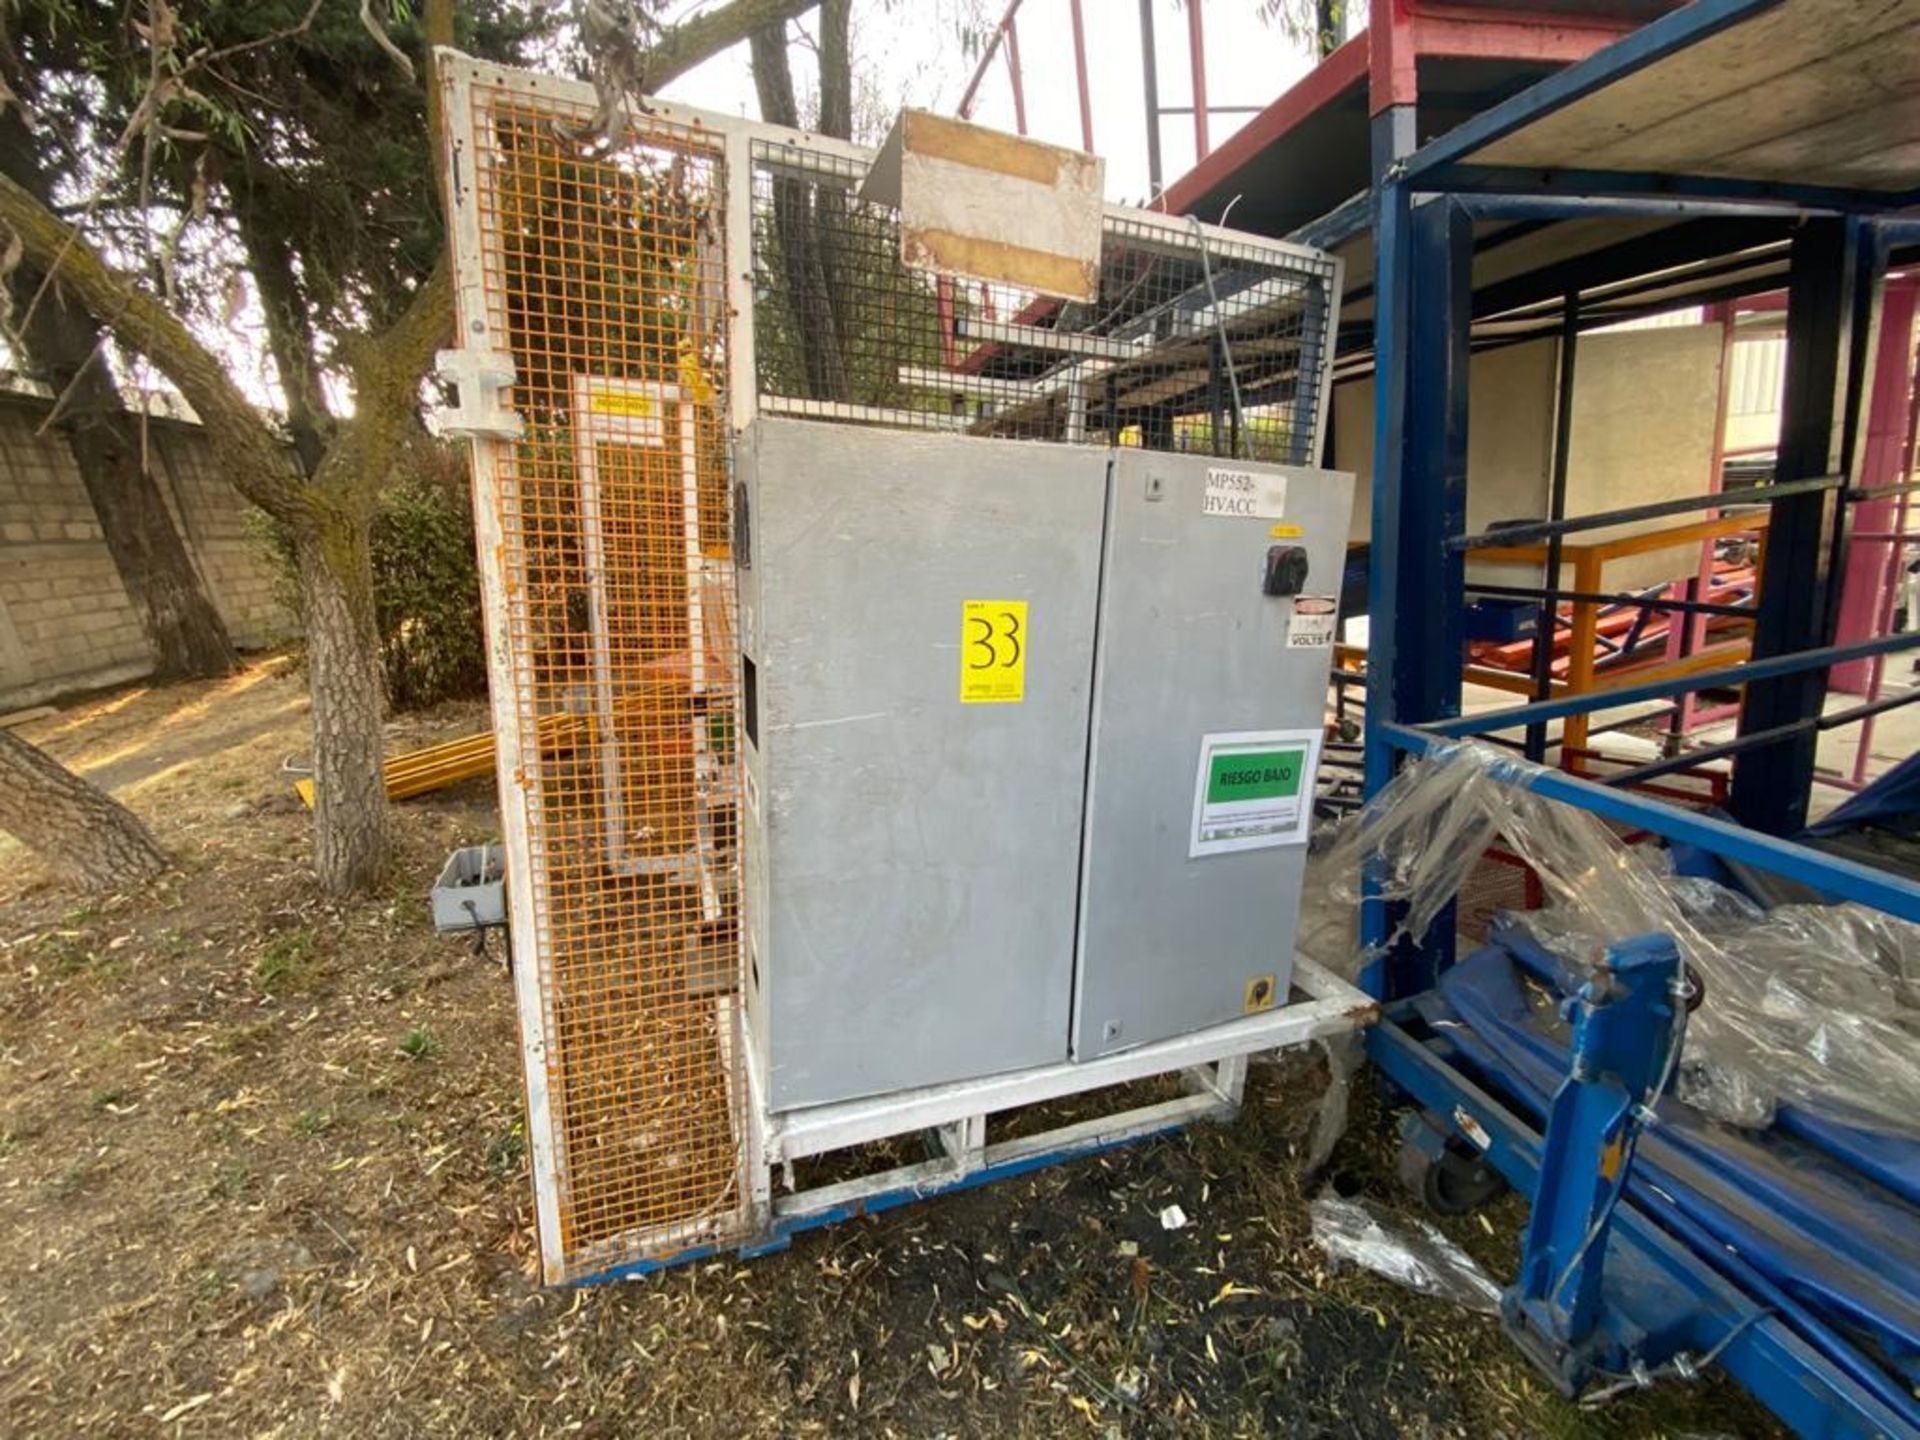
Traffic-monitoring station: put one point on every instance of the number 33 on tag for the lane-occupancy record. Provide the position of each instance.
(993, 652)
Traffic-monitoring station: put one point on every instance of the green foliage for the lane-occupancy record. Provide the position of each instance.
(508, 1152)
(287, 959)
(426, 589)
(419, 1043)
(426, 581)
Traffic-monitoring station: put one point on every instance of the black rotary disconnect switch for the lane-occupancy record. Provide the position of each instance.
(1286, 570)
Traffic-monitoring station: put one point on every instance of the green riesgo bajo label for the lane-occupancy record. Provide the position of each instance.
(1254, 775)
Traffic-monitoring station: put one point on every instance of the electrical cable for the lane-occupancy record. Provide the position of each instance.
(1220, 325)
(1681, 1367)
(1638, 1119)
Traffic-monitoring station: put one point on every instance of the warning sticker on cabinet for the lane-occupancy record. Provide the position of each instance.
(993, 652)
(1254, 789)
(1244, 494)
(1314, 619)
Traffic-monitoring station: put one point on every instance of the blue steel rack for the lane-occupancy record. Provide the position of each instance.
(1577, 146)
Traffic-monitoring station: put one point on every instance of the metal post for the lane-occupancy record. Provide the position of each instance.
(1549, 622)
(1150, 72)
(1197, 63)
(1867, 569)
(1625, 1032)
(1080, 75)
(1013, 72)
(1420, 491)
(1383, 552)
(1771, 782)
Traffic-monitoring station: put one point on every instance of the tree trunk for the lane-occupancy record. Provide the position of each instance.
(63, 346)
(804, 234)
(351, 830)
(290, 337)
(74, 826)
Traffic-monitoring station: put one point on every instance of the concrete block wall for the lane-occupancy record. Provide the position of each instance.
(66, 623)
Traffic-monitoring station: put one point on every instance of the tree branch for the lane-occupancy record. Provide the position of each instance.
(256, 466)
(706, 35)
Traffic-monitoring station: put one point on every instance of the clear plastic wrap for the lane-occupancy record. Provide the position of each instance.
(1814, 1004)
(1418, 1257)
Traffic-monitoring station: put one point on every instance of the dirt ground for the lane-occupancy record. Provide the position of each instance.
(262, 1172)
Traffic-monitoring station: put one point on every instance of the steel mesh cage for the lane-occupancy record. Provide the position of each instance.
(652, 291)
(604, 277)
(1196, 341)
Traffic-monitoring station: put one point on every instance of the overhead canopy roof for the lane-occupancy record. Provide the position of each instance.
(1768, 100)
(1796, 98)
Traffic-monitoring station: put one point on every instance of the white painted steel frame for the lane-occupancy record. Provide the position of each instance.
(473, 327)
(1332, 1006)
(460, 76)
(646, 430)
(1215, 1060)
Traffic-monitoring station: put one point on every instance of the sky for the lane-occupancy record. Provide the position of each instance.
(907, 52)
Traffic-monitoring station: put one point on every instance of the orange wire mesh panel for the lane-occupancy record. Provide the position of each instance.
(611, 609)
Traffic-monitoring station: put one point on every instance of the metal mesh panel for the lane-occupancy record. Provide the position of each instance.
(604, 270)
(1194, 342)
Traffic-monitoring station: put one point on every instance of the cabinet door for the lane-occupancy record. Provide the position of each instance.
(1209, 702)
(918, 612)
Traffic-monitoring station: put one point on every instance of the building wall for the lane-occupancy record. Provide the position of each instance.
(65, 620)
(1645, 406)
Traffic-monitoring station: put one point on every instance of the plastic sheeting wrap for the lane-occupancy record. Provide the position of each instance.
(1417, 1256)
(1818, 1005)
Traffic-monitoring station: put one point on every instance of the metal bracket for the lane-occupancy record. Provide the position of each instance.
(1626, 1034)
(478, 377)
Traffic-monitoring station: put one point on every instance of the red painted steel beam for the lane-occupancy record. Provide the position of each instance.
(1339, 72)
(1080, 75)
(965, 108)
(1013, 71)
(1197, 64)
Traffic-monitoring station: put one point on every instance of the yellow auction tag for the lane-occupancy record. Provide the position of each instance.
(621, 402)
(993, 652)
(1287, 532)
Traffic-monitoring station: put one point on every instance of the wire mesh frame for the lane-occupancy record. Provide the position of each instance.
(604, 535)
(1198, 340)
(727, 396)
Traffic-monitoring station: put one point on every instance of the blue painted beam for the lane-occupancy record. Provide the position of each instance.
(1598, 186)
(1828, 1390)
(1669, 34)
(1827, 873)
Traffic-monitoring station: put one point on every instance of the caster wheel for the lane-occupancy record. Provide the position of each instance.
(1456, 1183)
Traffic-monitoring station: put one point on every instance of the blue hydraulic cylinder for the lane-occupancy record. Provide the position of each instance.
(1626, 1032)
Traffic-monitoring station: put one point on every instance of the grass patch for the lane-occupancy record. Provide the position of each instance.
(420, 1043)
(288, 960)
(74, 1178)
(102, 1098)
(231, 1181)
(310, 1123)
(68, 954)
(508, 1152)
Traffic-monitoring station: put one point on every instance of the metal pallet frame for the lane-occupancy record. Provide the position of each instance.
(1664, 1274)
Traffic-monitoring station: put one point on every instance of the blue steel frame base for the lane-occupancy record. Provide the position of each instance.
(780, 1231)
(1665, 1286)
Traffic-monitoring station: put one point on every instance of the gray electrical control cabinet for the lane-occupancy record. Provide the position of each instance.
(1030, 735)
(916, 621)
(1218, 606)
